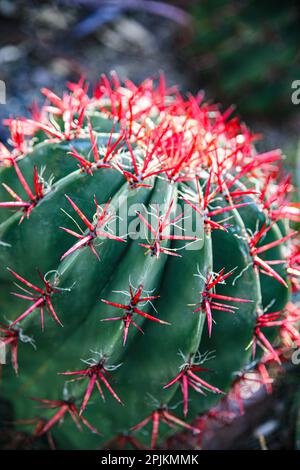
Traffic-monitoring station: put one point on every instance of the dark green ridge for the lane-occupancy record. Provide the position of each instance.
(274, 294)
(225, 355)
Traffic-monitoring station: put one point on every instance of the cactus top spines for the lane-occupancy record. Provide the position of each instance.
(144, 306)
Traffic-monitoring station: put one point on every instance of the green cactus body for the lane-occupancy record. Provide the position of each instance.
(142, 304)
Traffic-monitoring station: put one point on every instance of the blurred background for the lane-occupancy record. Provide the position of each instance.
(241, 52)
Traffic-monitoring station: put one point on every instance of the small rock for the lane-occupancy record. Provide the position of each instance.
(10, 53)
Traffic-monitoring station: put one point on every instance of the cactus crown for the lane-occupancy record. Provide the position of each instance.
(146, 225)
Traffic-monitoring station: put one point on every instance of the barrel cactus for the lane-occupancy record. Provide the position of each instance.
(146, 260)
